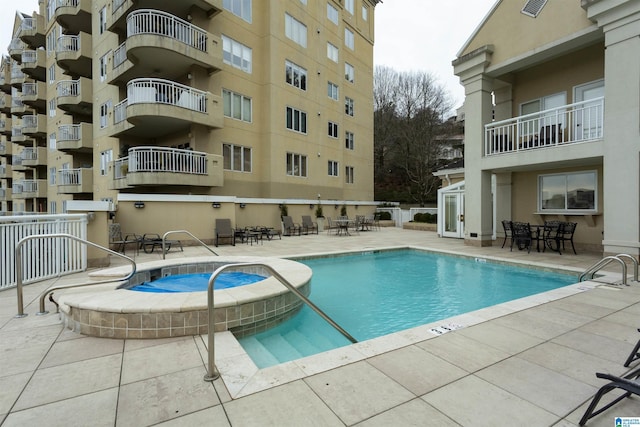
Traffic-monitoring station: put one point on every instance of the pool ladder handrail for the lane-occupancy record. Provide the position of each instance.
(212, 371)
(164, 238)
(18, 258)
(590, 272)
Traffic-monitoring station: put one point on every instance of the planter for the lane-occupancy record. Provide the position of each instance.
(320, 222)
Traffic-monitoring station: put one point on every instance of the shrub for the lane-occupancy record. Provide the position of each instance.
(385, 216)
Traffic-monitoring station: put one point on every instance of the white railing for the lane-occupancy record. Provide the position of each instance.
(29, 89)
(578, 122)
(68, 44)
(68, 88)
(28, 24)
(16, 132)
(17, 188)
(121, 168)
(29, 56)
(30, 121)
(3, 170)
(42, 258)
(16, 44)
(120, 55)
(67, 3)
(16, 102)
(16, 160)
(69, 133)
(70, 177)
(16, 72)
(149, 21)
(29, 154)
(120, 112)
(173, 160)
(160, 91)
(30, 186)
(117, 4)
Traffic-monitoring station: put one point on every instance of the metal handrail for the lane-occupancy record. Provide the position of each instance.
(164, 237)
(591, 271)
(634, 261)
(18, 258)
(212, 372)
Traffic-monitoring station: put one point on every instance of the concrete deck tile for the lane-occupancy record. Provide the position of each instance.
(416, 412)
(95, 409)
(416, 369)
(28, 337)
(81, 349)
(267, 378)
(506, 339)
(25, 359)
(214, 416)
(164, 397)
(10, 388)
(71, 380)
(358, 391)
(462, 351)
(531, 382)
(137, 344)
(606, 297)
(627, 333)
(596, 345)
(533, 323)
(574, 306)
(625, 317)
(293, 404)
(472, 401)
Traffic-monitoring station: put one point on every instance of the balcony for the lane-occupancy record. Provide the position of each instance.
(34, 125)
(29, 188)
(157, 107)
(6, 148)
(34, 95)
(32, 31)
(73, 54)
(5, 103)
(5, 194)
(17, 136)
(32, 157)
(75, 96)
(34, 63)
(17, 76)
(16, 163)
(6, 171)
(16, 46)
(78, 137)
(74, 15)
(159, 166)
(121, 8)
(5, 76)
(75, 181)
(570, 124)
(5, 125)
(18, 108)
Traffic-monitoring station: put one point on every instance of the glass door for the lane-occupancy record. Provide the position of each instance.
(589, 118)
(453, 225)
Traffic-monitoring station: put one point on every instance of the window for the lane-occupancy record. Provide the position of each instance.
(295, 75)
(52, 176)
(348, 5)
(104, 113)
(332, 14)
(236, 158)
(332, 52)
(106, 157)
(51, 9)
(332, 90)
(53, 207)
(535, 124)
(296, 120)
(52, 107)
(296, 164)
(51, 40)
(349, 72)
(333, 130)
(52, 142)
(102, 20)
(236, 54)
(348, 140)
(52, 74)
(348, 174)
(348, 106)
(568, 192)
(295, 30)
(365, 13)
(349, 39)
(236, 106)
(240, 8)
(103, 66)
(333, 168)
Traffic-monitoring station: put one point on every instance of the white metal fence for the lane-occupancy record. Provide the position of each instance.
(42, 258)
(149, 21)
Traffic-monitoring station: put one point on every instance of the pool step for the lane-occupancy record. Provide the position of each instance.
(258, 352)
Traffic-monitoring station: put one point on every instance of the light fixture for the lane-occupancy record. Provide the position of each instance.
(215, 205)
(138, 205)
(310, 205)
(336, 206)
(242, 205)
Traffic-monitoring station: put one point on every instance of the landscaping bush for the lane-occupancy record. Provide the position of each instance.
(425, 217)
(385, 216)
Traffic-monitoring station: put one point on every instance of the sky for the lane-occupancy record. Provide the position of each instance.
(410, 35)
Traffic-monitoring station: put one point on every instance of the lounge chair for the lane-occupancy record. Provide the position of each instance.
(506, 225)
(290, 228)
(224, 231)
(118, 242)
(629, 384)
(635, 354)
(308, 225)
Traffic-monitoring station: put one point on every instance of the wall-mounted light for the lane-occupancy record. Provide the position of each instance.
(242, 205)
(336, 206)
(310, 205)
(138, 205)
(215, 205)
(91, 216)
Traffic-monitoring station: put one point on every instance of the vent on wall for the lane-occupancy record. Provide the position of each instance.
(533, 7)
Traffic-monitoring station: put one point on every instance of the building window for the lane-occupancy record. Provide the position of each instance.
(237, 106)
(333, 168)
(296, 120)
(295, 30)
(52, 176)
(349, 72)
(104, 113)
(52, 107)
(332, 129)
(102, 20)
(348, 174)
(332, 14)
(106, 157)
(52, 142)
(103, 66)
(332, 52)
(332, 90)
(240, 8)
(348, 140)
(295, 75)
(236, 158)
(53, 207)
(365, 13)
(348, 106)
(52, 74)
(348, 5)
(51, 40)
(568, 192)
(349, 39)
(236, 54)
(296, 164)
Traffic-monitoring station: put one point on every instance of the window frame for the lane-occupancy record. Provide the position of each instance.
(243, 99)
(231, 47)
(299, 160)
(349, 39)
(244, 164)
(237, 8)
(349, 175)
(331, 16)
(290, 76)
(332, 129)
(349, 6)
(349, 140)
(349, 72)
(293, 30)
(349, 106)
(333, 53)
(593, 180)
(333, 91)
(301, 120)
(333, 168)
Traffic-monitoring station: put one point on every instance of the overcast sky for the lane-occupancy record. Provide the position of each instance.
(411, 35)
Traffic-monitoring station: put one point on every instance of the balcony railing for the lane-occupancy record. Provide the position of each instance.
(29, 154)
(67, 3)
(148, 21)
(16, 160)
(120, 55)
(119, 112)
(16, 44)
(16, 132)
(160, 159)
(17, 102)
(30, 121)
(69, 133)
(578, 122)
(117, 4)
(29, 89)
(28, 24)
(68, 88)
(159, 91)
(16, 72)
(68, 44)
(70, 177)
(29, 57)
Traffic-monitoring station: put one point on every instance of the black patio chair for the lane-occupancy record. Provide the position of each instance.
(521, 235)
(506, 225)
(565, 234)
(635, 354)
(629, 384)
(551, 235)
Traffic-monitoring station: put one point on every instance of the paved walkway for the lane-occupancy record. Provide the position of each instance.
(523, 363)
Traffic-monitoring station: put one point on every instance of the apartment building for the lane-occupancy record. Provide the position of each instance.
(165, 113)
(552, 127)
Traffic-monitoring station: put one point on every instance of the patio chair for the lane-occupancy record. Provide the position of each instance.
(290, 227)
(118, 242)
(308, 225)
(629, 384)
(224, 231)
(635, 354)
(551, 235)
(565, 234)
(506, 225)
(521, 235)
(331, 225)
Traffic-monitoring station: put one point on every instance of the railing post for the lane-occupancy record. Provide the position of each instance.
(21, 312)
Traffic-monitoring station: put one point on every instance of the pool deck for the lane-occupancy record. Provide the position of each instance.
(529, 362)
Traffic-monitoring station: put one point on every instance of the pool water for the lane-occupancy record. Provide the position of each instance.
(375, 294)
(195, 282)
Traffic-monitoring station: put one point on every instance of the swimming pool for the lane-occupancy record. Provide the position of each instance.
(375, 294)
(196, 282)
